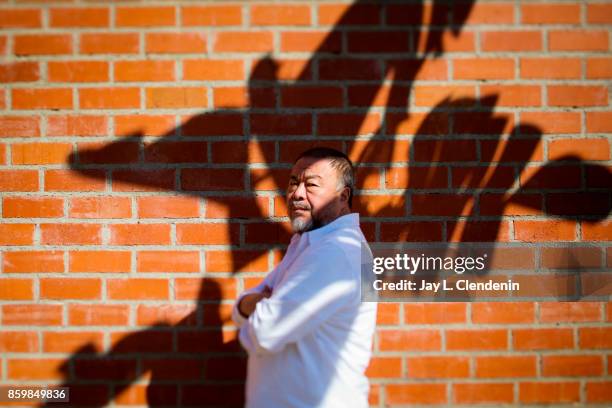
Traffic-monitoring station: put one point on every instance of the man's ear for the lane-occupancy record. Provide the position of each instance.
(344, 194)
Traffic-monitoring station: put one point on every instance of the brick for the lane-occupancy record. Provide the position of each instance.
(387, 313)
(597, 122)
(99, 261)
(16, 234)
(23, 71)
(175, 43)
(595, 337)
(144, 180)
(417, 14)
(155, 341)
(78, 71)
(438, 367)
(16, 289)
(409, 340)
(446, 204)
(349, 14)
(178, 315)
(503, 313)
(598, 392)
(19, 126)
(505, 366)
(549, 392)
(560, 177)
(596, 232)
(40, 153)
(239, 41)
(315, 97)
(380, 205)
(476, 339)
(577, 95)
(434, 95)
(198, 289)
(292, 15)
(233, 261)
(213, 70)
(421, 393)
(463, 41)
(243, 152)
(482, 177)
(538, 231)
(483, 68)
(32, 315)
(98, 315)
(310, 41)
(68, 288)
(70, 342)
(140, 234)
(109, 43)
(599, 68)
(168, 261)
(145, 125)
(34, 369)
(20, 18)
(42, 44)
(474, 393)
(176, 152)
(511, 41)
(566, 312)
(366, 69)
(137, 289)
(67, 180)
(344, 124)
(573, 257)
(176, 97)
(551, 123)
(542, 338)
(378, 41)
(599, 13)
(267, 233)
(79, 17)
(434, 313)
(145, 16)
(422, 231)
(77, 125)
(578, 40)
(143, 71)
(550, 68)
(19, 342)
(556, 13)
(105, 369)
(484, 13)
(237, 207)
(55, 98)
(70, 234)
(212, 179)
(482, 123)
(384, 367)
(212, 15)
(100, 207)
(514, 95)
(33, 261)
(571, 365)
(167, 207)
(32, 207)
(109, 98)
(18, 180)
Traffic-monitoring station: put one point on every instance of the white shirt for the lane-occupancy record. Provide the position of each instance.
(310, 342)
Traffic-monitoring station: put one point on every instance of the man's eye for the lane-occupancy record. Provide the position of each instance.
(311, 185)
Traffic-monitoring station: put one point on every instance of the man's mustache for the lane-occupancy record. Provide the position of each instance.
(295, 206)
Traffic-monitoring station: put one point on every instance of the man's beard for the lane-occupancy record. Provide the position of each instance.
(301, 224)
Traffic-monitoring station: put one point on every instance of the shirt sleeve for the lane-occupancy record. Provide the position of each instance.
(237, 317)
(318, 286)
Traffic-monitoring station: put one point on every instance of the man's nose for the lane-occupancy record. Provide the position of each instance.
(300, 191)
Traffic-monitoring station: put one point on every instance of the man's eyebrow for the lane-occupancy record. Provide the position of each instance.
(310, 176)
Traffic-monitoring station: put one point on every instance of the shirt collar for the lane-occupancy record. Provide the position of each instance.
(348, 220)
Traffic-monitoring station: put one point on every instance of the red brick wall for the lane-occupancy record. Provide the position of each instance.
(144, 149)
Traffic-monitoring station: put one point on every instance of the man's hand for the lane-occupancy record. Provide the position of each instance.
(248, 302)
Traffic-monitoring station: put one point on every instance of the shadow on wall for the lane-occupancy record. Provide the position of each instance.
(485, 151)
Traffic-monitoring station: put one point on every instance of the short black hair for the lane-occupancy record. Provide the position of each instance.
(339, 162)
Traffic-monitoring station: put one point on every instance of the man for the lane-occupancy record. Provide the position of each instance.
(307, 332)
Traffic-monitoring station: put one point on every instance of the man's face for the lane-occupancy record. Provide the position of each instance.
(313, 197)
